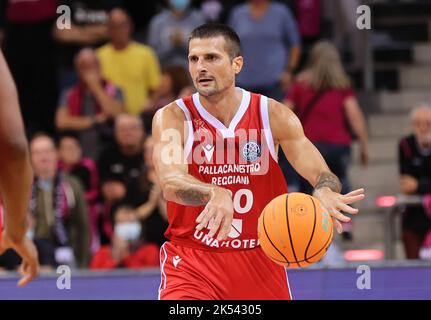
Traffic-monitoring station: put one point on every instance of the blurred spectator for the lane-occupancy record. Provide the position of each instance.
(212, 10)
(58, 208)
(89, 107)
(216, 10)
(29, 50)
(128, 250)
(73, 163)
(270, 45)
(88, 29)
(415, 171)
(325, 102)
(175, 83)
(59, 232)
(170, 29)
(120, 168)
(152, 213)
(141, 13)
(132, 66)
(309, 18)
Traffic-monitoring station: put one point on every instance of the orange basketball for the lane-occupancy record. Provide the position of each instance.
(294, 231)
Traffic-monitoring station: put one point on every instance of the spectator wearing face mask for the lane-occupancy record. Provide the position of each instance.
(170, 29)
(121, 170)
(127, 250)
(415, 178)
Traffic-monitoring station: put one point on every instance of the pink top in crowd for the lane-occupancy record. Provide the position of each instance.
(326, 122)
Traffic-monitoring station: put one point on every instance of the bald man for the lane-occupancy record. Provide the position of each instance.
(15, 178)
(133, 66)
(415, 178)
(89, 105)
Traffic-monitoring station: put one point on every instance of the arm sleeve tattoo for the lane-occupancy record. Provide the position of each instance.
(192, 197)
(328, 180)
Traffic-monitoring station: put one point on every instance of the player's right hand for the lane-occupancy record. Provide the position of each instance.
(219, 208)
(27, 251)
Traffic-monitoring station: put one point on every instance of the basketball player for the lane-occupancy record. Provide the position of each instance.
(15, 178)
(213, 204)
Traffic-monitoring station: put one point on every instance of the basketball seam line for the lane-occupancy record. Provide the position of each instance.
(266, 233)
(329, 239)
(330, 236)
(312, 233)
(288, 229)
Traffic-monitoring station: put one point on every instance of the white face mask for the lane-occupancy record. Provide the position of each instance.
(30, 234)
(129, 231)
(179, 5)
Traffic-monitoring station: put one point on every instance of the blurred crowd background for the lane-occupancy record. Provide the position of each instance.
(89, 87)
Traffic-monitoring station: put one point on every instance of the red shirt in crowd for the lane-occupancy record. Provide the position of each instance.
(146, 256)
(326, 122)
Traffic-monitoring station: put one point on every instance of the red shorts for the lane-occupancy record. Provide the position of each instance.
(191, 274)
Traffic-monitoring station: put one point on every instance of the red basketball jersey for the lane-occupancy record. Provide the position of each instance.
(241, 158)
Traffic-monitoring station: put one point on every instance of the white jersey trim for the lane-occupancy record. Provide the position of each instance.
(226, 132)
(266, 126)
(189, 141)
(162, 269)
(288, 284)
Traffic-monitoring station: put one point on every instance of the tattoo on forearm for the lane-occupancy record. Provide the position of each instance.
(192, 197)
(328, 180)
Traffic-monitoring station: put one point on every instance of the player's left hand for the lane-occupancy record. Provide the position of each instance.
(335, 203)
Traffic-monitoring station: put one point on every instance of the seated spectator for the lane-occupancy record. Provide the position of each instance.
(169, 32)
(415, 171)
(132, 66)
(84, 169)
(127, 250)
(89, 107)
(121, 170)
(152, 213)
(58, 208)
(175, 83)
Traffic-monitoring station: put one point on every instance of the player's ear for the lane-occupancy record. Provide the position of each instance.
(237, 64)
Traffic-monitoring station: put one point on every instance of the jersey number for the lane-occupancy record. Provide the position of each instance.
(248, 201)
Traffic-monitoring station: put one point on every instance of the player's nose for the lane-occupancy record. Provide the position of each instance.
(201, 67)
